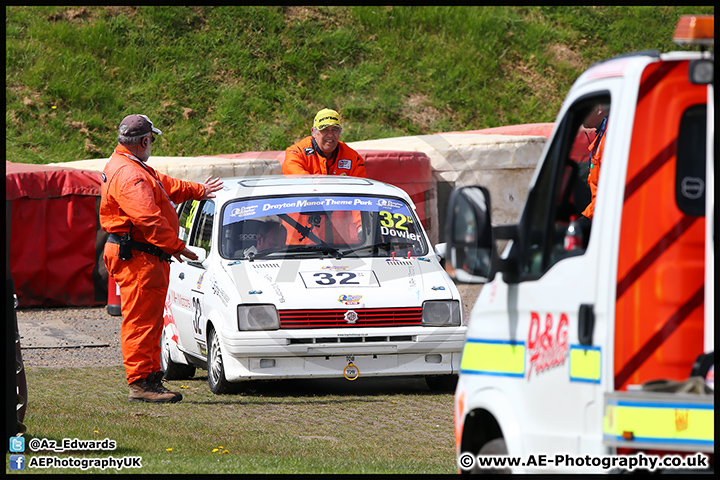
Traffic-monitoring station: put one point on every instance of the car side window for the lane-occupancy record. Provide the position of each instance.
(185, 216)
(560, 194)
(202, 234)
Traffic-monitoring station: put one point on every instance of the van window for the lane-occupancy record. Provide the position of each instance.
(561, 192)
(690, 165)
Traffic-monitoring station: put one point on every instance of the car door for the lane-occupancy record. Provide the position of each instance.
(553, 304)
(187, 278)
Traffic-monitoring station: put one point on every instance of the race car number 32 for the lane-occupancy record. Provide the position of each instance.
(357, 278)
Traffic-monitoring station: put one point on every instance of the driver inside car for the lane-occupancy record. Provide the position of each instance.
(270, 237)
(338, 228)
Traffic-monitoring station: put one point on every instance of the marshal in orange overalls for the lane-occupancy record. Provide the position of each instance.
(134, 193)
(596, 151)
(303, 158)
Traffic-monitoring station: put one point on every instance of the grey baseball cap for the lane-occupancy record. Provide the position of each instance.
(137, 124)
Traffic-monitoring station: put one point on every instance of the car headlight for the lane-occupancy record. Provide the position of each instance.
(441, 313)
(258, 317)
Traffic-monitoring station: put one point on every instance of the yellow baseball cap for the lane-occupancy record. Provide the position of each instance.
(326, 118)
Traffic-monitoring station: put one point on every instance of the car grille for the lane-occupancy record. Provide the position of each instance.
(366, 317)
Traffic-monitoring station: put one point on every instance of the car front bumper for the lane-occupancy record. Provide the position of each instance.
(325, 353)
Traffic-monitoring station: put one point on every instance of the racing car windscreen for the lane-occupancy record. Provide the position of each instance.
(307, 226)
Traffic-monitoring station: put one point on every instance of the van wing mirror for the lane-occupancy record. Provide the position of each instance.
(469, 235)
(702, 71)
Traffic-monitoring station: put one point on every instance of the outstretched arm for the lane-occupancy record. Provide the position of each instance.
(211, 186)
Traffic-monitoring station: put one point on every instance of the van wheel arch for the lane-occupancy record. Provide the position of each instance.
(480, 432)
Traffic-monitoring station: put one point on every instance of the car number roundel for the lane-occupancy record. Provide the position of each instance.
(330, 279)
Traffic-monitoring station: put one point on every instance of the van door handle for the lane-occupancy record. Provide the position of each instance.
(586, 324)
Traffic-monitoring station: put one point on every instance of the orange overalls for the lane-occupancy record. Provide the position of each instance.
(303, 159)
(133, 192)
(596, 151)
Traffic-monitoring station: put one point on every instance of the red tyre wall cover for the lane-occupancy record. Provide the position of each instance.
(411, 171)
(54, 236)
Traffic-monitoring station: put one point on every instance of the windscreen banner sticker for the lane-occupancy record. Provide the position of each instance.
(334, 279)
(243, 212)
(254, 208)
(386, 204)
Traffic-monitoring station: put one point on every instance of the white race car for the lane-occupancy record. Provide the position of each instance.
(352, 289)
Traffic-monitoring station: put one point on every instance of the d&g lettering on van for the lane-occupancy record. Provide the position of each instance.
(547, 349)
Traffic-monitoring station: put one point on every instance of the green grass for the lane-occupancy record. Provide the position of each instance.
(375, 426)
(233, 79)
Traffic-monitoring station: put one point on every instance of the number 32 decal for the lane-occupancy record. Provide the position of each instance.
(197, 316)
(397, 221)
(345, 278)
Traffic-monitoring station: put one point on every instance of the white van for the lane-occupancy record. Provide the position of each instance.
(580, 319)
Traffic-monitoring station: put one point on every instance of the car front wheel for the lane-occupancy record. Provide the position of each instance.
(173, 371)
(216, 369)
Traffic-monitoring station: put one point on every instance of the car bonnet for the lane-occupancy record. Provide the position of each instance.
(331, 283)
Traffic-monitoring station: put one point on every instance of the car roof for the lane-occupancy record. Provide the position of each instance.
(237, 187)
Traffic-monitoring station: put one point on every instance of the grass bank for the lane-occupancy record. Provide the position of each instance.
(234, 79)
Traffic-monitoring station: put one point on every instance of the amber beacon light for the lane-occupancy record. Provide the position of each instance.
(695, 30)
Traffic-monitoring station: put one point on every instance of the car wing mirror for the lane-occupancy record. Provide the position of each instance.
(199, 251)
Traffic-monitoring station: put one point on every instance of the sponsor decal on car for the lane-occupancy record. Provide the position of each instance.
(385, 203)
(224, 297)
(244, 211)
(411, 277)
(276, 287)
(179, 299)
(350, 299)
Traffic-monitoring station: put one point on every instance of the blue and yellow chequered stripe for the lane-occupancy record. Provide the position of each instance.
(585, 364)
(493, 357)
(659, 422)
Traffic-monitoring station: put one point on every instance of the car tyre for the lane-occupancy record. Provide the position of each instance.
(441, 383)
(216, 369)
(173, 371)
